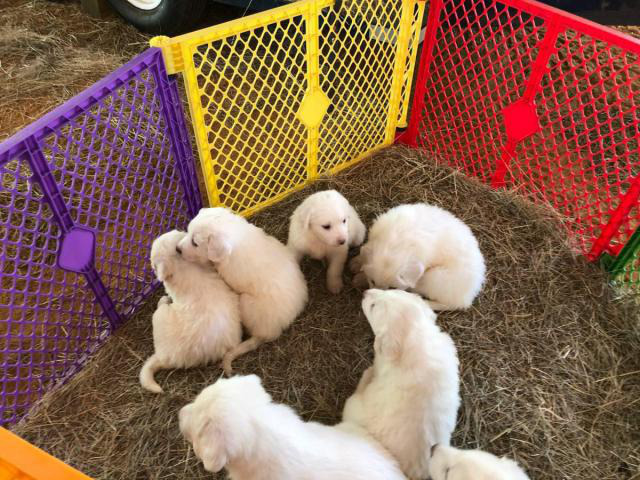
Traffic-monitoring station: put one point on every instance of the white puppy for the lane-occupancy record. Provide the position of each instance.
(199, 322)
(234, 424)
(323, 226)
(424, 249)
(272, 288)
(448, 463)
(408, 400)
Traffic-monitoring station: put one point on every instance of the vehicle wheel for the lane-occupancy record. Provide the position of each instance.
(167, 17)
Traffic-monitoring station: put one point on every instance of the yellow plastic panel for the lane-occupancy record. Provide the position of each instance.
(410, 64)
(280, 97)
(358, 76)
(19, 460)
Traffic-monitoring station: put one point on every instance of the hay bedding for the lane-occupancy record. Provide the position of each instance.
(50, 52)
(549, 357)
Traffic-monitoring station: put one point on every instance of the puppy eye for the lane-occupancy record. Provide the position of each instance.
(344, 220)
(326, 227)
(193, 242)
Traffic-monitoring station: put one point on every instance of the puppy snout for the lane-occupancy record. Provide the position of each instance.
(433, 448)
(178, 250)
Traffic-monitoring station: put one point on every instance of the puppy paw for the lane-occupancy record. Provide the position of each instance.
(360, 280)
(355, 265)
(334, 285)
(226, 365)
(164, 300)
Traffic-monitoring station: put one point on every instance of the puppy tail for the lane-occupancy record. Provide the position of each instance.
(150, 367)
(245, 347)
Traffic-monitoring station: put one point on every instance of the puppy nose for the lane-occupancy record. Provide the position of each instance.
(433, 448)
(342, 241)
(179, 250)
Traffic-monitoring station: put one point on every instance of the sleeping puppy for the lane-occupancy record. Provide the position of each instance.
(265, 273)
(198, 323)
(423, 249)
(408, 400)
(448, 463)
(323, 226)
(233, 424)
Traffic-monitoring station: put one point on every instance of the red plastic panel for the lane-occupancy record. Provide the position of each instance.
(525, 96)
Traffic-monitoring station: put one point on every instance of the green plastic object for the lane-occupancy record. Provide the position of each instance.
(625, 268)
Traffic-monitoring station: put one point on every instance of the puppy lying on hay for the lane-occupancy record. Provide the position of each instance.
(547, 352)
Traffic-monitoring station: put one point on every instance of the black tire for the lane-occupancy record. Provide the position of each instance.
(170, 17)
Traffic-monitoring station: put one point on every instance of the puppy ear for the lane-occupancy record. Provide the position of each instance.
(411, 273)
(184, 421)
(218, 247)
(210, 446)
(390, 342)
(164, 270)
(305, 216)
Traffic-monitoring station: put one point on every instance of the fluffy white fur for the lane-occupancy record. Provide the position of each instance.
(272, 288)
(424, 249)
(323, 226)
(448, 463)
(233, 424)
(408, 400)
(198, 322)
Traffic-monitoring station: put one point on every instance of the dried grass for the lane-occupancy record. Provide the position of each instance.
(51, 51)
(550, 370)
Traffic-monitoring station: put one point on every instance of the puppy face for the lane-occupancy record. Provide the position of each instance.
(392, 315)
(392, 266)
(448, 463)
(165, 256)
(208, 238)
(218, 422)
(325, 214)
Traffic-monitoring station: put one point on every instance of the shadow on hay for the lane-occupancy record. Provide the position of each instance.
(549, 355)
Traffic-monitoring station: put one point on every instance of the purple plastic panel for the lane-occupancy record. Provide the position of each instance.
(84, 191)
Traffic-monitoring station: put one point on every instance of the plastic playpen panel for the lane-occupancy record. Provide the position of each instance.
(521, 95)
(19, 460)
(280, 97)
(84, 192)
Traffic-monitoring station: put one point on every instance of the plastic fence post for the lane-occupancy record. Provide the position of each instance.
(619, 216)
(50, 190)
(184, 137)
(411, 62)
(313, 84)
(433, 21)
(539, 68)
(174, 118)
(103, 297)
(402, 51)
(52, 194)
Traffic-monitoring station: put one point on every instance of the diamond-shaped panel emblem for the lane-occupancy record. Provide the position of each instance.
(520, 120)
(313, 108)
